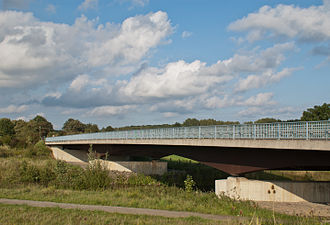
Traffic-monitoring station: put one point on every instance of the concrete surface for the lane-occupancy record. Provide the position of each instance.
(277, 191)
(77, 156)
(320, 145)
(147, 168)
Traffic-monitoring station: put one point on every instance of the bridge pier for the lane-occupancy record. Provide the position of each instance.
(120, 163)
(278, 191)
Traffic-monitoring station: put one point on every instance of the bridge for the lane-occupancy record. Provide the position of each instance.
(235, 149)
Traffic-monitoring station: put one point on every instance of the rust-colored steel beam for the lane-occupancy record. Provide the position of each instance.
(234, 161)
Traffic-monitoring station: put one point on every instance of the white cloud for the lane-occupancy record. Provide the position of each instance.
(51, 8)
(179, 86)
(140, 3)
(13, 109)
(272, 111)
(88, 4)
(306, 24)
(186, 34)
(35, 53)
(174, 80)
(111, 110)
(260, 99)
(170, 114)
(258, 81)
(79, 82)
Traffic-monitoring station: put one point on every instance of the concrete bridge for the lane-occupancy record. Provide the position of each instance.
(235, 149)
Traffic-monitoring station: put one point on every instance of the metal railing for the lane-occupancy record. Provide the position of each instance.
(311, 130)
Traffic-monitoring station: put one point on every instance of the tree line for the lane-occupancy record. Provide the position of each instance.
(21, 134)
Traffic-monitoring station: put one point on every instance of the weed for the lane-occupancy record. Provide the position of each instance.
(189, 184)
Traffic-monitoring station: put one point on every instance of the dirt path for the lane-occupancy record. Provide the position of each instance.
(122, 210)
(298, 208)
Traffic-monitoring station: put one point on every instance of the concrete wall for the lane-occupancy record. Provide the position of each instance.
(67, 155)
(278, 191)
(146, 168)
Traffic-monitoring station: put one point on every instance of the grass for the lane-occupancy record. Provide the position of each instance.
(50, 180)
(178, 159)
(14, 214)
(168, 198)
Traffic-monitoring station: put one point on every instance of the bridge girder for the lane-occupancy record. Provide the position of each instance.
(232, 160)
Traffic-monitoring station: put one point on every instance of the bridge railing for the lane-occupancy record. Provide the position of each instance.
(319, 130)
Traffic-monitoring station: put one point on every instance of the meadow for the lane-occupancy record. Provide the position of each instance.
(34, 175)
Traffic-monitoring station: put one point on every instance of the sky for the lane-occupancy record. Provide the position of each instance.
(134, 62)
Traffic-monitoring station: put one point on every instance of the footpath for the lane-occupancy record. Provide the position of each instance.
(122, 210)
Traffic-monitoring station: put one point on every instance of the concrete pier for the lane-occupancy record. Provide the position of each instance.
(147, 168)
(278, 191)
(116, 163)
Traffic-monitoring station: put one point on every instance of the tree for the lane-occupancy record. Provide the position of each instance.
(6, 131)
(267, 120)
(40, 126)
(107, 129)
(191, 122)
(317, 113)
(6, 127)
(91, 128)
(72, 126)
(22, 132)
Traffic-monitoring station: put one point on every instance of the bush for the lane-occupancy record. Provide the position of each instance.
(38, 150)
(189, 184)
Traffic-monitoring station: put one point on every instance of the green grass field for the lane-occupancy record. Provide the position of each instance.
(46, 179)
(15, 214)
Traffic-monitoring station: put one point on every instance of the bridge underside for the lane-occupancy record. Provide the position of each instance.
(232, 160)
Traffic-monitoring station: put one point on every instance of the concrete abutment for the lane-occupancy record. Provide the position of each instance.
(116, 163)
(278, 191)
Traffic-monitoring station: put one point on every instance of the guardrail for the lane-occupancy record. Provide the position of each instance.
(311, 130)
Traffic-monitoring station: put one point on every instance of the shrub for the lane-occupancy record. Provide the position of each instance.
(189, 184)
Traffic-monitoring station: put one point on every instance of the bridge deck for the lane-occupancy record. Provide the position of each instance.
(315, 130)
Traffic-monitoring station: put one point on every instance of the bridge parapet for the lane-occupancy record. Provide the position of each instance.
(309, 130)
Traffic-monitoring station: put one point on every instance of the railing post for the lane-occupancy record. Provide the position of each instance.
(199, 132)
(173, 133)
(307, 132)
(254, 131)
(126, 134)
(215, 132)
(278, 131)
(233, 131)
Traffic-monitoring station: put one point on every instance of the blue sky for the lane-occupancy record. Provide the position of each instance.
(125, 62)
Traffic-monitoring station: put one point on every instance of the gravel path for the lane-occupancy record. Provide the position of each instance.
(122, 210)
(299, 208)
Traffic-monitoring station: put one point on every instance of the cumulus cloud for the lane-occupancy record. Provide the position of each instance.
(271, 111)
(140, 3)
(180, 86)
(110, 110)
(258, 81)
(88, 4)
(176, 79)
(51, 8)
(186, 34)
(13, 109)
(260, 99)
(35, 53)
(305, 24)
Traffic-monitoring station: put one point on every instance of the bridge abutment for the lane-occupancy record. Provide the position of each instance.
(115, 163)
(278, 191)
